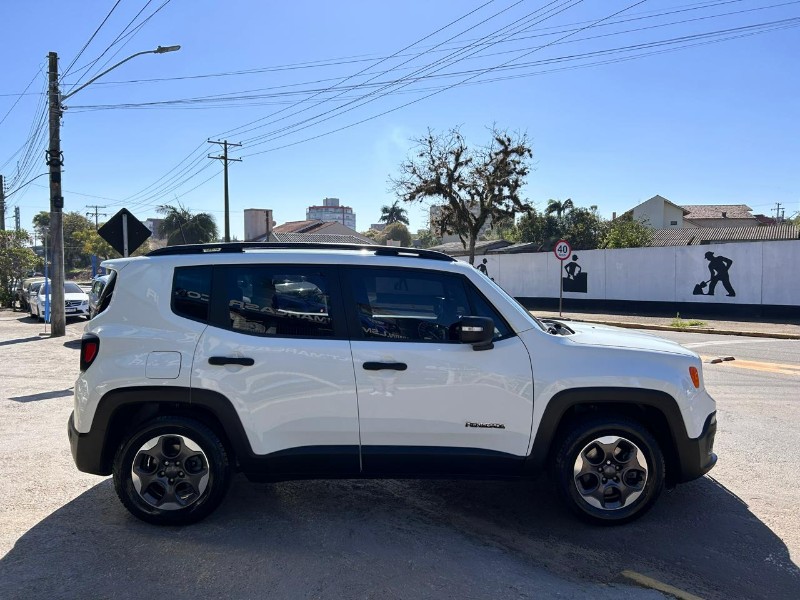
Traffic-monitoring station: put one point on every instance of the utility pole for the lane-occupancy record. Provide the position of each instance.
(55, 161)
(777, 209)
(2, 205)
(96, 214)
(224, 158)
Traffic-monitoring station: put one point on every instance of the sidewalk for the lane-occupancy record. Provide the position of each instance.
(787, 329)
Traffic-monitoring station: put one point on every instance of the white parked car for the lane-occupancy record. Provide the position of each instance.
(76, 301)
(291, 361)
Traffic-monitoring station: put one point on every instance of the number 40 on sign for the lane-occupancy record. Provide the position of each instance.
(562, 250)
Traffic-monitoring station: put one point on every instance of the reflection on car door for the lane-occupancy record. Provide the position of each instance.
(427, 403)
(277, 348)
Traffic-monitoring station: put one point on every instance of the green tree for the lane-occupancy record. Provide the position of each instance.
(180, 226)
(584, 228)
(627, 232)
(473, 185)
(15, 260)
(558, 207)
(393, 214)
(538, 228)
(427, 238)
(396, 232)
(73, 224)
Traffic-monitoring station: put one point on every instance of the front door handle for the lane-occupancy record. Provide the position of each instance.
(379, 366)
(231, 360)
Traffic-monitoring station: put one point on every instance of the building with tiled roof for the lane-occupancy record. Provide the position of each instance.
(719, 215)
(481, 247)
(314, 231)
(697, 236)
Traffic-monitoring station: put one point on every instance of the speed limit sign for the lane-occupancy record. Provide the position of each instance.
(562, 250)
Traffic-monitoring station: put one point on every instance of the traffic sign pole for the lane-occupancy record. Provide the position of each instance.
(562, 250)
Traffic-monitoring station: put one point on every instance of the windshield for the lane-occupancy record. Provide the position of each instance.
(69, 288)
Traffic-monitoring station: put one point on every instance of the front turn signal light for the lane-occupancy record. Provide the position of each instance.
(695, 375)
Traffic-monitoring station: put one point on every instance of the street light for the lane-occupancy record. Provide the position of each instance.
(55, 161)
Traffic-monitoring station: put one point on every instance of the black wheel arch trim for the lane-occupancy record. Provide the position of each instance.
(689, 458)
(93, 451)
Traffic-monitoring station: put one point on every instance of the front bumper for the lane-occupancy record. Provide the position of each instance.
(696, 455)
(87, 449)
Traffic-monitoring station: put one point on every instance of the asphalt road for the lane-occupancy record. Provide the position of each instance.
(733, 535)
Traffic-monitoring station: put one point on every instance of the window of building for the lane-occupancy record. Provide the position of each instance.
(673, 222)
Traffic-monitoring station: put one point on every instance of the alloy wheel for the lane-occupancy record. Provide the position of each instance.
(170, 472)
(610, 472)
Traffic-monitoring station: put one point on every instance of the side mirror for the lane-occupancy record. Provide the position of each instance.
(478, 331)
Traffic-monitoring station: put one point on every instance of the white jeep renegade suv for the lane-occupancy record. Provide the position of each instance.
(292, 361)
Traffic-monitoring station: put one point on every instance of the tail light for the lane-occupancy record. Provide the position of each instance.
(90, 347)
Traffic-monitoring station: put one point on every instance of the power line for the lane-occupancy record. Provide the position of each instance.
(250, 97)
(373, 58)
(19, 96)
(86, 45)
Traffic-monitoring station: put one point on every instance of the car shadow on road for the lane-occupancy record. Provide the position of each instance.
(21, 340)
(43, 395)
(320, 538)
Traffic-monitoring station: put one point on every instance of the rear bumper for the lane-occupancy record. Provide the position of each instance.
(696, 455)
(87, 449)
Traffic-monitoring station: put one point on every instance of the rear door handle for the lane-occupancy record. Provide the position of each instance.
(231, 360)
(379, 366)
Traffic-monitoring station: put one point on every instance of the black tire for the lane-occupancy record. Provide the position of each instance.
(596, 496)
(201, 502)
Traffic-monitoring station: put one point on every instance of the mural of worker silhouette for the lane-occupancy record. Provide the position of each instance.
(576, 279)
(718, 267)
(482, 268)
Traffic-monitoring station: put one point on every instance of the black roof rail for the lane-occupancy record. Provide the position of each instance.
(237, 247)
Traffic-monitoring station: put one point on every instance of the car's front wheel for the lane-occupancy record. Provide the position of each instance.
(609, 470)
(171, 471)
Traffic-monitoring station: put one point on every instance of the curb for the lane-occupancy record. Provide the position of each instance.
(761, 334)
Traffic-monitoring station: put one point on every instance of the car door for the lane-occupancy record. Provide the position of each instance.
(277, 348)
(428, 403)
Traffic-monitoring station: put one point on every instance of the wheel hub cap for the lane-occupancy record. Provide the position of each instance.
(170, 472)
(610, 472)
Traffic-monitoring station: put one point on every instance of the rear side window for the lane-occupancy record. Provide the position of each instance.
(278, 300)
(191, 289)
(106, 293)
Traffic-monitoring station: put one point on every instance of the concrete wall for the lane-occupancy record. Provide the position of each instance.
(766, 273)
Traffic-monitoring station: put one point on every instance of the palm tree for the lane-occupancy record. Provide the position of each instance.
(180, 226)
(554, 206)
(393, 214)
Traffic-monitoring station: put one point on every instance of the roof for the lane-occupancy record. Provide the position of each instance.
(481, 247)
(715, 211)
(656, 197)
(695, 236)
(519, 248)
(320, 238)
(301, 226)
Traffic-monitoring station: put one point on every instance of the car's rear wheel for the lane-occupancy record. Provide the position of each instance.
(609, 470)
(171, 471)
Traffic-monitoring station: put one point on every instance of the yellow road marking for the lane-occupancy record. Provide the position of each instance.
(655, 584)
(780, 368)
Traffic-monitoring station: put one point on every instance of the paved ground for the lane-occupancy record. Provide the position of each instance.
(63, 534)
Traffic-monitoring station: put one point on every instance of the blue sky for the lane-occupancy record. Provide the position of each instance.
(715, 123)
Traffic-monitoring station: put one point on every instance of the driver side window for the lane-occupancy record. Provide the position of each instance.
(409, 305)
